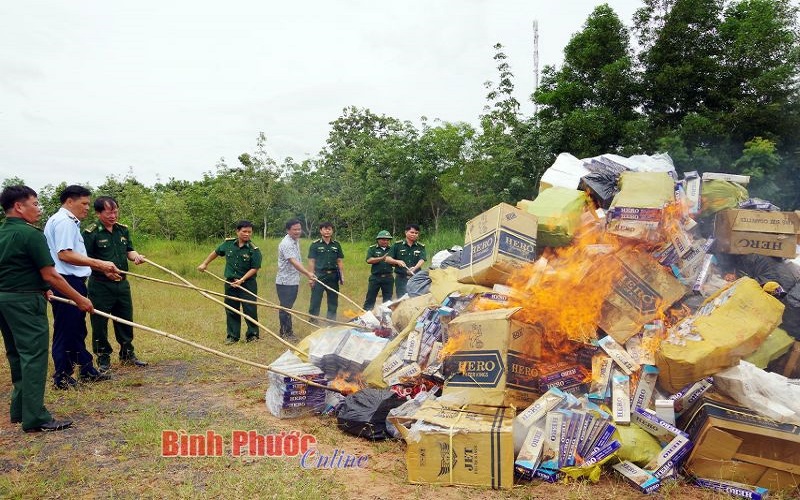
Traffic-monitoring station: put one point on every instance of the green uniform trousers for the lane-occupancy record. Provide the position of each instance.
(23, 322)
(233, 321)
(332, 280)
(112, 297)
(400, 282)
(378, 282)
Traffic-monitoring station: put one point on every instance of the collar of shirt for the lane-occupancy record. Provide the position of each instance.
(71, 216)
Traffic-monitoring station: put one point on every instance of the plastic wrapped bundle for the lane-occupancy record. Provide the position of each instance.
(345, 350)
(288, 397)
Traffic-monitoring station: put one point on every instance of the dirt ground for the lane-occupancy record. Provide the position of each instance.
(114, 448)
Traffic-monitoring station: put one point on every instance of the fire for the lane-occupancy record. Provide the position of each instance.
(455, 343)
(348, 382)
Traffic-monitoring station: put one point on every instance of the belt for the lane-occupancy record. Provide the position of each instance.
(328, 271)
(384, 275)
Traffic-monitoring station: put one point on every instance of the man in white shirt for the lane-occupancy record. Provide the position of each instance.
(69, 254)
(287, 279)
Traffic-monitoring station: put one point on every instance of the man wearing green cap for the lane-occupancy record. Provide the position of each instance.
(408, 256)
(381, 276)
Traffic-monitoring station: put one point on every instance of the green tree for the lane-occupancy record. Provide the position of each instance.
(588, 106)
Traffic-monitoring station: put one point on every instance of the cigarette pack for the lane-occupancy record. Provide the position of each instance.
(665, 409)
(685, 397)
(547, 475)
(530, 455)
(619, 355)
(391, 364)
(621, 398)
(572, 449)
(633, 346)
(587, 425)
(638, 477)
(407, 372)
(413, 341)
(644, 389)
(564, 378)
(691, 185)
(436, 348)
(600, 388)
(658, 428)
(554, 422)
(536, 412)
(703, 275)
(671, 455)
(602, 453)
(732, 488)
(607, 431)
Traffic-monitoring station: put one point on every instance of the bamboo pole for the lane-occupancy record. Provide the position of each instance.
(226, 306)
(258, 303)
(200, 346)
(345, 297)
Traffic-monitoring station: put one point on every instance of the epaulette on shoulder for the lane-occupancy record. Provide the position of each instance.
(374, 246)
(122, 225)
(252, 245)
(229, 239)
(318, 240)
(35, 227)
(90, 228)
(421, 244)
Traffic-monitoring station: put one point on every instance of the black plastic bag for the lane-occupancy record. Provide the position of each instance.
(601, 186)
(363, 413)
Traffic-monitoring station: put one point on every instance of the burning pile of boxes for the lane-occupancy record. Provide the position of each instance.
(604, 312)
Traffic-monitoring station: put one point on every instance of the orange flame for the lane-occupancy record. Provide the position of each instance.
(348, 382)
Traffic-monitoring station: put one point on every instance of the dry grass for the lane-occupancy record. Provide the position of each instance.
(114, 449)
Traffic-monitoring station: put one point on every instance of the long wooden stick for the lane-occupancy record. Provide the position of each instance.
(200, 346)
(259, 302)
(345, 297)
(226, 306)
(266, 302)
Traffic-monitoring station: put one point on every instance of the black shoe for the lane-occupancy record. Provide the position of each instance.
(95, 376)
(53, 425)
(65, 383)
(16, 421)
(133, 360)
(230, 341)
(103, 368)
(251, 339)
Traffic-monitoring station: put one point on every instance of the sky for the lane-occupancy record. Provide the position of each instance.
(162, 90)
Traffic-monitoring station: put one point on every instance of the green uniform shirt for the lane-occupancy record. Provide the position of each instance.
(239, 260)
(23, 252)
(377, 251)
(104, 245)
(325, 255)
(408, 254)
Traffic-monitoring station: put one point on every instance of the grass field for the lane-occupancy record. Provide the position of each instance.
(114, 448)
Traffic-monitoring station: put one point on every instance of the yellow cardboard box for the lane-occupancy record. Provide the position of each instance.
(497, 242)
(739, 231)
(471, 446)
(495, 358)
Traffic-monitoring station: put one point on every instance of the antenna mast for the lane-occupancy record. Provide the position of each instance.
(535, 63)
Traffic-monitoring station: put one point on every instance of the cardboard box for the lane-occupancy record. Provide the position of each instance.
(740, 232)
(642, 290)
(470, 446)
(495, 359)
(733, 443)
(497, 242)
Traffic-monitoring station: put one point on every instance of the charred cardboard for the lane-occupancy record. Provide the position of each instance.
(734, 443)
(497, 242)
(638, 294)
(472, 445)
(739, 231)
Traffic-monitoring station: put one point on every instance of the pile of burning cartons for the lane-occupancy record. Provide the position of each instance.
(612, 330)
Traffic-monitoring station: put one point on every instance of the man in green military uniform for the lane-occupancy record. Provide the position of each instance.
(26, 272)
(109, 240)
(242, 262)
(325, 257)
(380, 277)
(408, 256)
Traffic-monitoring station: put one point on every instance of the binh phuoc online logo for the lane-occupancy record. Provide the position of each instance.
(293, 444)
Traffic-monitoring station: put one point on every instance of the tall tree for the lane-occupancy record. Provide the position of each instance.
(588, 106)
